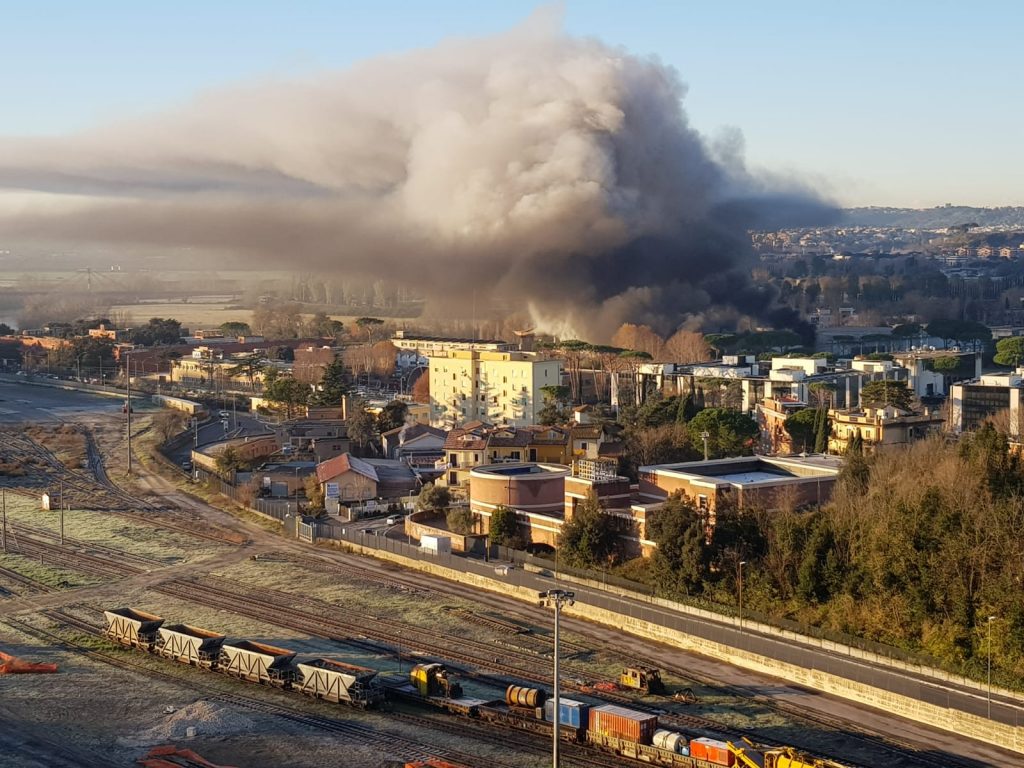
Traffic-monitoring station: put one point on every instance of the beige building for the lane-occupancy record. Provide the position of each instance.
(502, 388)
(880, 427)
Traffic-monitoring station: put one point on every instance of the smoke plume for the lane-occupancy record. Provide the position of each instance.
(551, 172)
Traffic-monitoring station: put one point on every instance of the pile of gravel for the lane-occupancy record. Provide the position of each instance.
(207, 718)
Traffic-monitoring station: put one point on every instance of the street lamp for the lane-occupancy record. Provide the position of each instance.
(704, 436)
(557, 598)
(128, 402)
(742, 563)
(990, 620)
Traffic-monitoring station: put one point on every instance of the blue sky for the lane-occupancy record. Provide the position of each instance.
(904, 102)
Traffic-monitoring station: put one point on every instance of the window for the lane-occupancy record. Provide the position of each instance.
(453, 459)
(583, 446)
(453, 479)
(702, 502)
(515, 455)
(504, 379)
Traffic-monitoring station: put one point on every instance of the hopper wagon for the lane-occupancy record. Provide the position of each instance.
(132, 627)
(190, 645)
(610, 728)
(257, 663)
(338, 682)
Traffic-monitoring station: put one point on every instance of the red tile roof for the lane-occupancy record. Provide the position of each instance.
(339, 465)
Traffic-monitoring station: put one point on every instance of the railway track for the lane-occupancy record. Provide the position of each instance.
(897, 751)
(352, 731)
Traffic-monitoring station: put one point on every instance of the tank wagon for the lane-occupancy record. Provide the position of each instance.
(257, 663)
(338, 682)
(190, 645)
(131, 627)
(611, 728)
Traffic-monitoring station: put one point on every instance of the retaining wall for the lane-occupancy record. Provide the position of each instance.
(980, 728)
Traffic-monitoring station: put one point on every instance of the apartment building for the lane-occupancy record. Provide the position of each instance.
(503, 388)
(988, 397)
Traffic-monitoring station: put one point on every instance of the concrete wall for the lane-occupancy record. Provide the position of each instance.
(1006, 736)
(425, 523)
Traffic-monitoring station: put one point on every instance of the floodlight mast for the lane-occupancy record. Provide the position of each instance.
(557, 598)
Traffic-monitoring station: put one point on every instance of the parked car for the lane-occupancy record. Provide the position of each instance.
(225, 414)
(186, 465)
(394, 520)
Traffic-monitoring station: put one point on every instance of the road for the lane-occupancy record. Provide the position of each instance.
(26, 402)
(235, 425)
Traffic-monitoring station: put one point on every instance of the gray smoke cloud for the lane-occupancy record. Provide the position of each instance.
(558, 173)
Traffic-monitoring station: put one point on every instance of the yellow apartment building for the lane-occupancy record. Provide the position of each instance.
(502, 388)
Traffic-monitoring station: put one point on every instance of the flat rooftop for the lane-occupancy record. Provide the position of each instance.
(751, 470)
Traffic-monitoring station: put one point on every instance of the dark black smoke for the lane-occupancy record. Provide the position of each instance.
(558, 173)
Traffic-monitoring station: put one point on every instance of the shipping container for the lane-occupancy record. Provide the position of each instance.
(713, 751)
(572, 713)
(672, 741)
(622, 723)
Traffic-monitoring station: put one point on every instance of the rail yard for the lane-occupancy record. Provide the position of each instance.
(126, 549)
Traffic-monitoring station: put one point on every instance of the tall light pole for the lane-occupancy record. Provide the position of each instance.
(704, 436)
(128, 402)
(742, 563)
(557, 598)
(990, 620)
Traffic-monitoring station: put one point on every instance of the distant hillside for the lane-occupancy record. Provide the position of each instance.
(934, 218)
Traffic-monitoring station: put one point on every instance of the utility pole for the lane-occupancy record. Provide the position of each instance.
(4, 529)
(557, 598)
(62, 520)
(990, 620)
(742, 563)
(704, 436)
(128, 403)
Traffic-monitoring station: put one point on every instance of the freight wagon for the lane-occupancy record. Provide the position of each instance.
(190, 645)
(257, 663)
(338, 682)
(611, 728)
(136, 629)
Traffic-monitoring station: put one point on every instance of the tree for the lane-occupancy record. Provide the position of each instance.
(682, 561)
(168, 423)
(435, 497)
(314, 494)
(802, 427)
(553, 410)
(229, 461)
(250, 366)
(460, 520)
(886, 392)
(362, 428)
(158, 330)
(1009, 351)
(6, 330)
(235, 328)
(392, 416)
(730, 433)
(286, 391)
(687, 347)
(421, 388)
(639, 338)
(588, 538)
(572, 351)
(504, 528)
(333, 387)
(368, 324)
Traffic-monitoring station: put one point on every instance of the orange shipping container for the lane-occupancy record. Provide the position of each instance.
(713, 751)
(622, 723)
